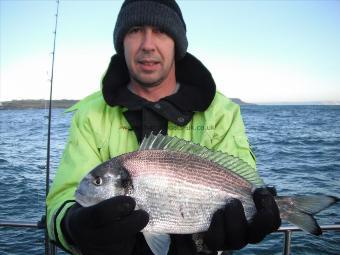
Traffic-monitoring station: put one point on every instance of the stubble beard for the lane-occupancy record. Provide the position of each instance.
(146, 84)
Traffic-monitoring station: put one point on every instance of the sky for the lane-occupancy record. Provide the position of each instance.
(258, 51)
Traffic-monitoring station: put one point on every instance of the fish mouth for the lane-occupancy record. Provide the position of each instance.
(82, 199)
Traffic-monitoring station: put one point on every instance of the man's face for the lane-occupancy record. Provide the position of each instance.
(149, 55)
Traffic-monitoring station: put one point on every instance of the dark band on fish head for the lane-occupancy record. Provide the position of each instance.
(117, 173)
(125, 180)
(107, 180)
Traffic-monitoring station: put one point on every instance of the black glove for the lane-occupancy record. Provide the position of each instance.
(229, 229)
(109, 227)
(182, 244)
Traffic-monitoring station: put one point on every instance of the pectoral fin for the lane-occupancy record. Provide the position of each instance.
(158, 243)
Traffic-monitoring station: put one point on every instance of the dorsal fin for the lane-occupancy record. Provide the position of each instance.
(234, 164)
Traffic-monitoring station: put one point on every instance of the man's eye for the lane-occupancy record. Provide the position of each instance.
(135, 30)
(158, 31)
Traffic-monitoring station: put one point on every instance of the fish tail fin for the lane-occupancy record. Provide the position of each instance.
(299, 210)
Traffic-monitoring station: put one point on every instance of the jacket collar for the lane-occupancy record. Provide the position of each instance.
(196, 92)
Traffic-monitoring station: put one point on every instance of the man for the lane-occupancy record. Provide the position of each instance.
(152, 85)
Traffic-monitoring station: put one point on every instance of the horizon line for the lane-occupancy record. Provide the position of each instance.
(240, 101)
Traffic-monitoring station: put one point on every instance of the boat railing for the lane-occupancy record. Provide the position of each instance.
(286, 230)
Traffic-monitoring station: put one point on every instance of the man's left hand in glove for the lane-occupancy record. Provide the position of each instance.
(230, 230)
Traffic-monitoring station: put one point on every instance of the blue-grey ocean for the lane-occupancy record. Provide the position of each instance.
(297, 150)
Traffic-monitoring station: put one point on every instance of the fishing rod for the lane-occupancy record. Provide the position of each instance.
(50, 249)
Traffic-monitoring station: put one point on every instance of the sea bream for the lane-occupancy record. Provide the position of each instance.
(181, 184)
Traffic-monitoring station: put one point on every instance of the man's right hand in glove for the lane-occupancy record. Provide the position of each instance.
(109, 227)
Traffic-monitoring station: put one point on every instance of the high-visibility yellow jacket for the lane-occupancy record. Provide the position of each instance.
(99, 132)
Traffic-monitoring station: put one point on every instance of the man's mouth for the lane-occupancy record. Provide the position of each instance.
(148, 65)
(148, 62)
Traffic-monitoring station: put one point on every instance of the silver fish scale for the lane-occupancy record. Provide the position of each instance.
(181, 191)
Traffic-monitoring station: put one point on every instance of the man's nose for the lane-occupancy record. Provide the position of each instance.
(148, 43)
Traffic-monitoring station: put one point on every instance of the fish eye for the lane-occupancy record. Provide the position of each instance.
(98, 181)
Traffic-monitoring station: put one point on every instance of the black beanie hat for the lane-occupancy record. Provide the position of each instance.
(164, 14)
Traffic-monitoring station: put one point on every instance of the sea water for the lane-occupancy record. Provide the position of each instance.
(297, 150)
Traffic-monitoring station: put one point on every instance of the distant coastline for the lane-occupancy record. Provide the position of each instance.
(63, 103)
(35, 104)
(240, 102)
